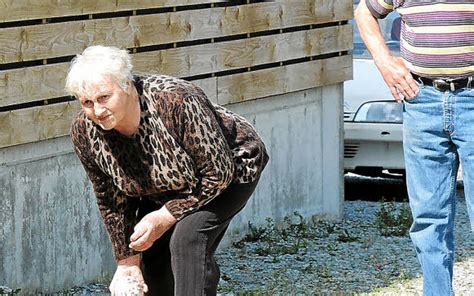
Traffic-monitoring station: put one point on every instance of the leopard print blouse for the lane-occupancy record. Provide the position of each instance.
(185, 152)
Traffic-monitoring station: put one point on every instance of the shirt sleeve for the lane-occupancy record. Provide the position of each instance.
(117, 210)
(380, 8)
(204, 142)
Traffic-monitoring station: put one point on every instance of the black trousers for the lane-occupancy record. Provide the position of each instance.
(181, 262)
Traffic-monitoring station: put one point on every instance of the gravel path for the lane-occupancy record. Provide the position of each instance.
(350, 257)
(321, 257)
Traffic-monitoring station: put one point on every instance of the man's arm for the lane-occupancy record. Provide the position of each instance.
(393, 69)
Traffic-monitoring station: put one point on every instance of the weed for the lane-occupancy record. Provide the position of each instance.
(308, 268)
(7, 291)
(225, 277)
(293, 236)
(264, 251)
(323, 272)
(255, 233)
(346, 237)
(239, 244)
(279, 279)
(276, 259)
(404, 276)
(393, 222)
(324, 228)
(264, 233)
(296, 229)
(331, 248)
(253, 292)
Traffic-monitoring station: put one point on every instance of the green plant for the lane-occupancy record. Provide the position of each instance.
(253, 292)
(393, 222)
(263, 233)
(255, 233)
(346, 237)
(239, 244)
(276, 259)
(308, 268)
(332, 248)
(323, 272)
(324, 228)
(8, 291)
(225, 277)
(404, 276)
(298, 228)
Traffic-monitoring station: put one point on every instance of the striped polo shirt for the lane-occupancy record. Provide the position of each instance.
(437, 37)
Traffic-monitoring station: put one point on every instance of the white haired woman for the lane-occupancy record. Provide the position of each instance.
(169, 170)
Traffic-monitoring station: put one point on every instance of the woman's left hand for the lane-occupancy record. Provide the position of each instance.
(150, 228)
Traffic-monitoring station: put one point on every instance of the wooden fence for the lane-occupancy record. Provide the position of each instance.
(235, 50)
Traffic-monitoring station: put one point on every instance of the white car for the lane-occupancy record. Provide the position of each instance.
(372, 118)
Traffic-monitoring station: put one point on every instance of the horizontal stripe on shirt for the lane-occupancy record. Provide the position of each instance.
(439, 40)
(441, 73)
(439, 19)
(438, 50)
(440, 61)
(430, 6)
(468, 29)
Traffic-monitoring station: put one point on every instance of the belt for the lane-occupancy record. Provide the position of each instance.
(445, 84)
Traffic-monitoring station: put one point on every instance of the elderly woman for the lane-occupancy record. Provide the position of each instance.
(169, 170)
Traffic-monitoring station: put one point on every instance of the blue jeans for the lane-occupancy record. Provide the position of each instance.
(438, 134)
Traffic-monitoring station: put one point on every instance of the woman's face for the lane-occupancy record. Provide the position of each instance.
(106, 103)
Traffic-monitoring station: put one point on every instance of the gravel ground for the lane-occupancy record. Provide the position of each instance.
(350, 257)
(321, 257)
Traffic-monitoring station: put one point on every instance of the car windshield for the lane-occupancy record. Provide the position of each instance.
(390, 27)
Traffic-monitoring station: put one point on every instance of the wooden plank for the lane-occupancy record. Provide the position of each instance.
(15, 10)
(32, 84)
(222, 56)
(36, 124)
(268, 82)
(64, 39)
(209, 86)
(48, 81)
(51, 121)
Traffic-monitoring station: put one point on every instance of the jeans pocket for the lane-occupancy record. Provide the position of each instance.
(421, 87)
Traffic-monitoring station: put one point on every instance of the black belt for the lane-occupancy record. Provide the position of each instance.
(446, 84)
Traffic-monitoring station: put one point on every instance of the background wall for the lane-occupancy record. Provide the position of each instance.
(305, 172)
(281, 64)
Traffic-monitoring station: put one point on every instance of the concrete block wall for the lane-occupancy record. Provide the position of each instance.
(52, 236)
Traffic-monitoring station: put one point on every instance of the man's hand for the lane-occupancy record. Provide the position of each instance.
(150, 228)
(398, 78)
(393, 69)
(128, 278)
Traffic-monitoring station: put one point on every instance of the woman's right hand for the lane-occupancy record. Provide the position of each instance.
(128, 278)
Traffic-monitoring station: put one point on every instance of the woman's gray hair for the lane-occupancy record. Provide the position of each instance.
(95, 64)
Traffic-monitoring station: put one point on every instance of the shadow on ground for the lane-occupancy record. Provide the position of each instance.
(390, 188)
(358, 187)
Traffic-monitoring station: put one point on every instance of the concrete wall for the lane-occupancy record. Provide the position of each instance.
(52, 237)
(51, 232)
(303, 135)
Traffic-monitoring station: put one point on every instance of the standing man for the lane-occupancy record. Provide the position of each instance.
(434, 79)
